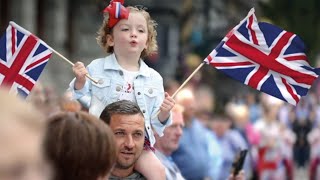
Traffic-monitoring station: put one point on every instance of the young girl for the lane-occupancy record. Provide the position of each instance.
(128, 34)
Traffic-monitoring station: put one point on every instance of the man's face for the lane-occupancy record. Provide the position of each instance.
(220, 127)
(170, 140)
(188, 104)
(129, 135)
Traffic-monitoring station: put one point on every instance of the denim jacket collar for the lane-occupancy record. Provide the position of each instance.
(112, 63)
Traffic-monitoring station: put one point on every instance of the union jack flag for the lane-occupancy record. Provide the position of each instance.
(23, 56)
(266, 58)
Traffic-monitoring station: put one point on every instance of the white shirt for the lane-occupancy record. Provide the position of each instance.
(127, 92)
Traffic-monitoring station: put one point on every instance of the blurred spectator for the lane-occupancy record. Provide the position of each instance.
(191, 62)
(194, 156)
(205, 103)
(315, 103)
(231, 143)
(68, 104)
(37, 96)
(44, 99)
(270, 158)
(127, 123)
(302, 125)
(286, 114)
(288, 139)
(169, 142)
(255, 111)
(79, 146)
(240, 116)
(22, 129)
(314, 141)
(239, 113)
(171, 86)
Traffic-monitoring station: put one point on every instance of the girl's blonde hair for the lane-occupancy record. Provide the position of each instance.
(105, 30)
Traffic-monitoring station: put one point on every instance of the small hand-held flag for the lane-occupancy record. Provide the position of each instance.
(23, 56)
(266, 58)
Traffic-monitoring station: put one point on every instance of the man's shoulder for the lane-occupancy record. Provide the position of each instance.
(135, 175)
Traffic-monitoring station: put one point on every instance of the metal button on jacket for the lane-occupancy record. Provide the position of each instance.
(121, 73)
(143, 111)
(118, 88)
(150, 91)
(100, 81)
(139, 93)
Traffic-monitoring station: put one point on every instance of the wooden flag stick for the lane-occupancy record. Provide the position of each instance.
(188, 79)
(183, 84)
(67, 60)
(42, 42)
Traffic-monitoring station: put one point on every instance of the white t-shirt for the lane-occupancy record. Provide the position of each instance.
(127, 92)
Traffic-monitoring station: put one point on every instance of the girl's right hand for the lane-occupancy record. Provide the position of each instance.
(80, 72)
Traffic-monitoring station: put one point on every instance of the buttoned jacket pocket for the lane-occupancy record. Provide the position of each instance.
(151, 92)
(101, 89)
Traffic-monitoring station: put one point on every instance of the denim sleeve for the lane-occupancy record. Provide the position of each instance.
(78, 94)
(159, 126)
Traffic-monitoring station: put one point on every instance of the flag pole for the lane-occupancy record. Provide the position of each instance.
(29, 33)
(188, 79)
(68, 61)
(183, 84)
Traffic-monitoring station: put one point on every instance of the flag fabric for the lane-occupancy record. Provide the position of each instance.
(23, 57)
(265, 57)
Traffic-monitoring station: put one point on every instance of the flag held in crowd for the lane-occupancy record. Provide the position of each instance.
(266, 58)
(23, 56)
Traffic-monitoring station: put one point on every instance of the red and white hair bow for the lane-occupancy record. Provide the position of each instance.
(116, 12)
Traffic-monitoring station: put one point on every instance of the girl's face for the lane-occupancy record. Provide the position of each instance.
(129, 35)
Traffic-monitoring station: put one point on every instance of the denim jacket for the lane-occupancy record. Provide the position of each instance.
(148, 86)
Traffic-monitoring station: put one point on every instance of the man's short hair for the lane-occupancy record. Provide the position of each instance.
(123, 107)
(79, 146)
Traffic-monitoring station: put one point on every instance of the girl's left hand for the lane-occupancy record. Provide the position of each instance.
(166, 107)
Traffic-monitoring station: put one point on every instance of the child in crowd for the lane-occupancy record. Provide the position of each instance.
(128, 35)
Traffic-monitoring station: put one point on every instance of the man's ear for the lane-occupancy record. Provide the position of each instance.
(110, 41)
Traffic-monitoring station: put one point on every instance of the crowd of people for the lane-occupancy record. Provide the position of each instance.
(281, 138)
(128, 126)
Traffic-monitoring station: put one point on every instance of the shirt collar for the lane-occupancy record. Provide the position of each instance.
(112, 63)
